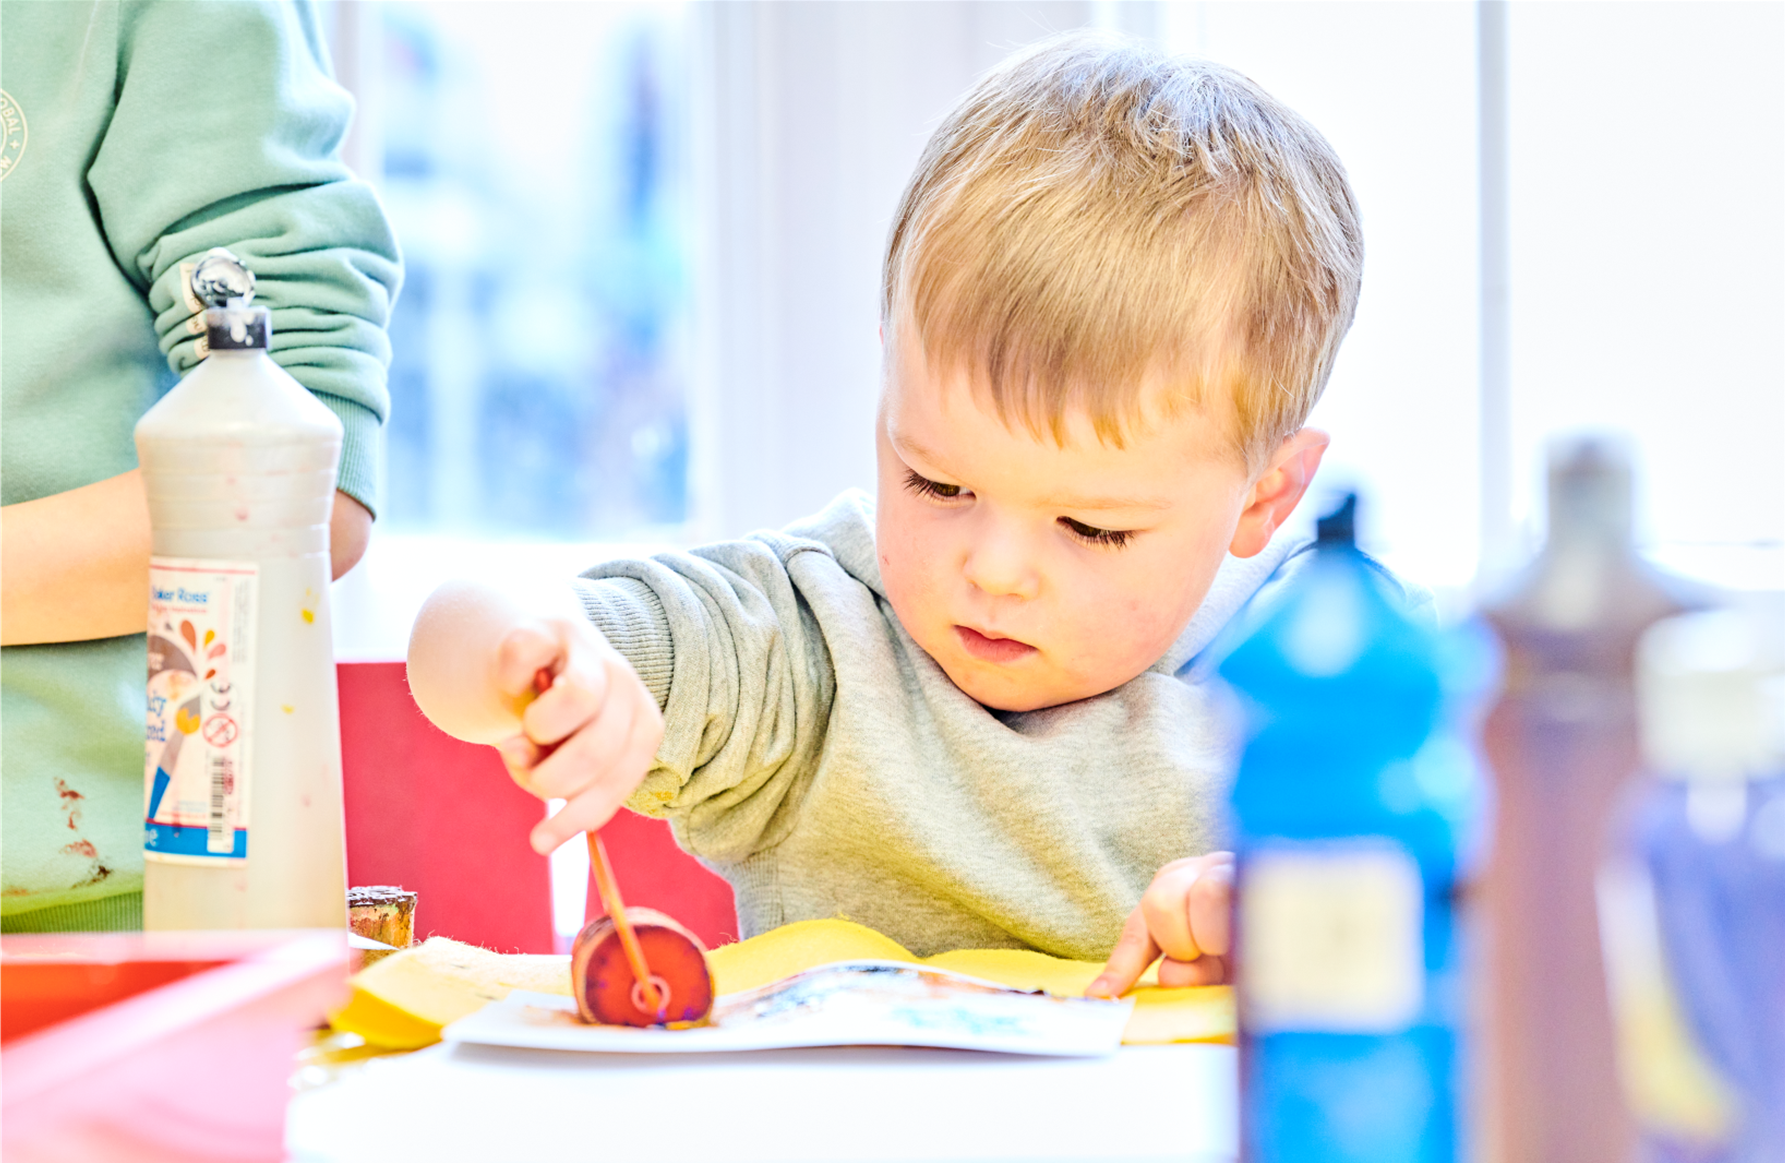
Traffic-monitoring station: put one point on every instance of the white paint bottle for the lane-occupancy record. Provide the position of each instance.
(243, 813)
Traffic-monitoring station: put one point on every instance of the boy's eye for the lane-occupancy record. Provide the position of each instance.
(1091, 535)
(925, 487)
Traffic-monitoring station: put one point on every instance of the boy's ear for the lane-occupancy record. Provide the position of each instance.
(1277, 492)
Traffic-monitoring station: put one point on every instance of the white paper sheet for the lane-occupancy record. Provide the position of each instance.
(850, 1003)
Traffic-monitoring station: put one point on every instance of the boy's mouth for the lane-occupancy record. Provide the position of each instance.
(989, 649)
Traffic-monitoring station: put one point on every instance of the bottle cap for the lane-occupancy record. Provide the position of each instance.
(1711, 691)
(1339, 527)
(226, 287)
(1336, 656)
(1590, 488)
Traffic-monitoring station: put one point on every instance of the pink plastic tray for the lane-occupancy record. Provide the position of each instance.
(157, 1046)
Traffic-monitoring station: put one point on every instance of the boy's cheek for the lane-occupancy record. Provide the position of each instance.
(1129, 618)
(908, 554)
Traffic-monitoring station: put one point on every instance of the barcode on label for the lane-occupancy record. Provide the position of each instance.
(198, 764)
(220, 836)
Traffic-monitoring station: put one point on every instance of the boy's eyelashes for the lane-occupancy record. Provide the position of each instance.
(925, 487)
(1089, 534)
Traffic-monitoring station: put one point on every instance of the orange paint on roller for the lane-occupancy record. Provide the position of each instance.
(610, 991)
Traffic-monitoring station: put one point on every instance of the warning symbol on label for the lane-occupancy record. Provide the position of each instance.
(220, 730)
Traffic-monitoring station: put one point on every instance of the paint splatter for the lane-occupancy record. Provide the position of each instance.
(71, 803)
(83, 848)
(309, 615)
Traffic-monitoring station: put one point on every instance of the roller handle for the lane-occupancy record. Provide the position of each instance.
(609, 890)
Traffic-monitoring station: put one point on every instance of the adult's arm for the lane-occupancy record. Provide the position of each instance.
(248, 159)
(227, 132)
(75, 565)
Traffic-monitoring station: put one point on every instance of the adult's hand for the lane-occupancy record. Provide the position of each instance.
(349, 531)
(75, 565)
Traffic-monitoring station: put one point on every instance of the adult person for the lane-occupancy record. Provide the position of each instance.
(137, 137)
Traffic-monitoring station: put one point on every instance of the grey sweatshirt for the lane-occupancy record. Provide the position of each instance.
(821, 762)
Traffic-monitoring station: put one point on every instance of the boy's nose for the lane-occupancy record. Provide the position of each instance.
(997, 565)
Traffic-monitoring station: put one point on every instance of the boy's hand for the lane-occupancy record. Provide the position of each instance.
(588, 738)
(1186, 914)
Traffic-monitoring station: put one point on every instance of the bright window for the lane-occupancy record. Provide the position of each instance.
(532, 160)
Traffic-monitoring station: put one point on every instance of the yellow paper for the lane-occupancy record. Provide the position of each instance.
(796, 948)
(404, 1000)
(1196, 1014)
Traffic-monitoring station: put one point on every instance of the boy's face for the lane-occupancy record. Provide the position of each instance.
(1036, 574)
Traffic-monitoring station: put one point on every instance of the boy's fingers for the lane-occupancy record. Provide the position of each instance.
(520, 755)
(1208, 970)
(587, 757)
(636, 752)
(523, 652)
(583, 814)
(1134, 951)
(576, 696)
(597, 804)
(1166, 906)
(1211, 909)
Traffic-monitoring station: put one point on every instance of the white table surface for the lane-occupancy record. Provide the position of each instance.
(492, 1105)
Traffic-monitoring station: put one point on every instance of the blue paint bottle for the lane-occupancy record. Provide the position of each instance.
(1354, 806)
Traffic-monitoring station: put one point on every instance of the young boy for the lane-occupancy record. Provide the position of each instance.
(977, 711)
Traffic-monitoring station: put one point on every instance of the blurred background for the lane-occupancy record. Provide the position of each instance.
(644, 242)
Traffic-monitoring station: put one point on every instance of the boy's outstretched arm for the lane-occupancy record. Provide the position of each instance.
(474, 656)
(1186, 914)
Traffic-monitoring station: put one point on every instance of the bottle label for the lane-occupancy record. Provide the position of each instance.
(1331, 938)
(201, 695)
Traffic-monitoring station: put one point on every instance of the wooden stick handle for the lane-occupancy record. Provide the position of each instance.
(609, 888)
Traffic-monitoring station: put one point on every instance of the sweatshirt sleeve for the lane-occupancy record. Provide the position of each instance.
(227, 132)
(724, 639)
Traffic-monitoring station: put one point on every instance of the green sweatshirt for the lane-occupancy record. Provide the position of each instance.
(137, 137)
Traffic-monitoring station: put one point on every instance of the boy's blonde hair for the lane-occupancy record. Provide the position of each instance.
(1095, 212)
